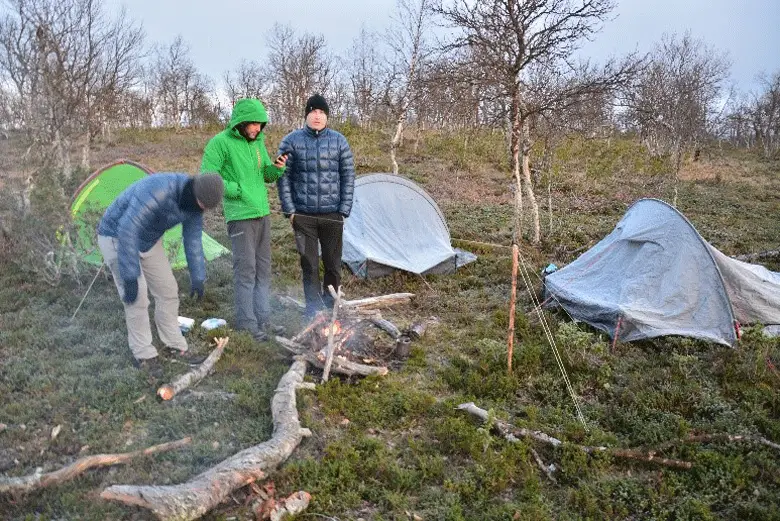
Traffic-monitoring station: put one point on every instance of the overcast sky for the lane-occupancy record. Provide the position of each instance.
(220, 33)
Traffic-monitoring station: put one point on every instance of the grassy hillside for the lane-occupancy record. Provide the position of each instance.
(396, 447)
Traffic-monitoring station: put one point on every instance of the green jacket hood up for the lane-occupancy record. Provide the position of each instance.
(247, 110)
(244, 165)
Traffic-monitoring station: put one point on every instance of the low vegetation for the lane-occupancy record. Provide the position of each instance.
(396, 447)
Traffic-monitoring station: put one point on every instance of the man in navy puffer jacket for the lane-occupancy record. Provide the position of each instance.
(130, 239)
(316, 193)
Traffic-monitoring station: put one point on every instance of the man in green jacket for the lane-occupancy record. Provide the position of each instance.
(239, 155)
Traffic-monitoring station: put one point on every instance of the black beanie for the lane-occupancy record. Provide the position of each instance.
(317, 102)
(208, 189)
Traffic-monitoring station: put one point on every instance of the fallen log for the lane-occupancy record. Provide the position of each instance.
(512, 433)
(340, 365)
(168, 391)
(194, 498)
(39, 480)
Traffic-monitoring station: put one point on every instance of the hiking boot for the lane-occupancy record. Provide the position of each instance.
(150, 365)
(188, 357)
(275, 329)
(260, 336)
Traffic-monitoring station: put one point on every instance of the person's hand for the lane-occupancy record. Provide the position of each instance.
(197, 289)
(281, 160)
(292, 218)
(131, 291)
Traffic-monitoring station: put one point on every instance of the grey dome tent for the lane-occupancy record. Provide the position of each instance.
(396, 225)
(654, 275)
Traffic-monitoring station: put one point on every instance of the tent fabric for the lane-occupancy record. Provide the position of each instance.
(99, 190)
(396, 225)
(654, 275)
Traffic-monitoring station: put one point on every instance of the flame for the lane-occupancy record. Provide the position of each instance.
(336, 329)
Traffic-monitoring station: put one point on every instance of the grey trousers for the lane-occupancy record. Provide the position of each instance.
(251, 242)
(157, 276)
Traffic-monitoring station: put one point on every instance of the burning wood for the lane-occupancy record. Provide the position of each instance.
(349, 335)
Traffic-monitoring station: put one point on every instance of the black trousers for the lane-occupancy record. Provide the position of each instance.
(312, 232)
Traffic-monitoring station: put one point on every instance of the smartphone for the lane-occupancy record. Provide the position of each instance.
(280, 156)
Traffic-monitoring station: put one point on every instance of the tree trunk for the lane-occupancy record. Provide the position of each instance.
(514, 148)
(395, 142)
(529, 189)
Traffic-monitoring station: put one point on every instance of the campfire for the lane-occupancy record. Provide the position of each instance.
(362, 341)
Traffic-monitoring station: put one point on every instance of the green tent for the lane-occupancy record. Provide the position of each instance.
(99, 191)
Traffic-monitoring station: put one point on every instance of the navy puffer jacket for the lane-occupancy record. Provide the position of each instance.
(141, 214)
(320, 175)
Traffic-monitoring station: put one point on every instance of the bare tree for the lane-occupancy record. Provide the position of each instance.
(365, 76)
(249, 80)
(674, 101)
(181, 93)
(764, 113)
(409, 52)
(67, 62)
(523, 47)
(300, 66)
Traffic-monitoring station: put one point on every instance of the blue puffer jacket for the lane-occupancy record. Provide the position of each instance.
(320, 176)
(141, 214)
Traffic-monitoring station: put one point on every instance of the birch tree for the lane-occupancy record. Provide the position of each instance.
(66, 63)
(300, 65)
(673, 102)
(409, 50)
(524, 48)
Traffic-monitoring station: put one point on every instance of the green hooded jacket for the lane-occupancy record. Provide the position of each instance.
(244, 165)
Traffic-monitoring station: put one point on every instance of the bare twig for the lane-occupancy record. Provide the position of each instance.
(547, 469)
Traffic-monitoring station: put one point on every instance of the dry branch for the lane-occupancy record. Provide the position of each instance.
(168, 391)
(318, 319)
(707, 438)
(340, 365)
(194, 498)
(512, 434)
(752, 257)
(329, 354)
(386, 326)
(38, 480)
(378, 302)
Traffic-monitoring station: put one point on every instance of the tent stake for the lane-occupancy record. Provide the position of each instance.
(617, 332)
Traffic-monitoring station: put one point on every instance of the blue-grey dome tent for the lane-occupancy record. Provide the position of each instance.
(654, 275)
(396, 225)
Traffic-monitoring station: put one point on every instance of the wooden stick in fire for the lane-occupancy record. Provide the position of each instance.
(329, 358)
(168, 391)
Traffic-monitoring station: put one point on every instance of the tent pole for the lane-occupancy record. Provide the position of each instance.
(512, 300)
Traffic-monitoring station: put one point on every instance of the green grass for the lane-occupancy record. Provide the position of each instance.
(394, 447)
